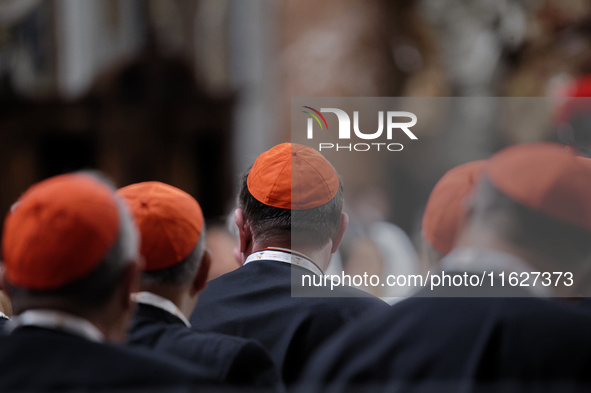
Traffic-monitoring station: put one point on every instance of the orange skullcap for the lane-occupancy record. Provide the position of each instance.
(59, 231)
(292, 176)
(169, 220)
(444, 212)
(545, 178)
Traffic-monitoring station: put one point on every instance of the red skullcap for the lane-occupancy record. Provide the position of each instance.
(169, 220)
(545, 178)
(292, 176)
(59, 231)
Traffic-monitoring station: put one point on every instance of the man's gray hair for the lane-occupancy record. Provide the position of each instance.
(179, 274)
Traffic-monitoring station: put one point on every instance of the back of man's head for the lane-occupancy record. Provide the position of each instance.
(536, 198)
(68, 244)
(292, 194)
(172, 229)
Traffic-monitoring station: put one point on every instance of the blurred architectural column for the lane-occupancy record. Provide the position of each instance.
(212, 46)
(91, 34)
(252, 44)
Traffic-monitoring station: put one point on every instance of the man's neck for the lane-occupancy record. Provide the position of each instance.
(320, 256)
(179, 297)
(60, 320)
(485, 239)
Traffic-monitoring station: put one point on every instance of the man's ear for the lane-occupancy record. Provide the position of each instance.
(5, 295)
(244, 232)
(338, 237)
(200, 279)
(4, 283)
(130, 279)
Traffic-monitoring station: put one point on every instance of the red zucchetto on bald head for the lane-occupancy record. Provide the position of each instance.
(545, 178)
(59, 231)
(444, 211)
(170, 222)
(292, 176)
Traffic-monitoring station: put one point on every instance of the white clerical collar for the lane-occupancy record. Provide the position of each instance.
(154, 300)
(58, 320)
(478, 259)
(2, 315)
(286, 256)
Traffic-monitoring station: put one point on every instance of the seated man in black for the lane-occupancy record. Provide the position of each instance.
(290, 220)
(172, 229)
(70, 254)
(527, 237)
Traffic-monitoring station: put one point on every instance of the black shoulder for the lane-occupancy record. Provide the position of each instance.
(252, 366)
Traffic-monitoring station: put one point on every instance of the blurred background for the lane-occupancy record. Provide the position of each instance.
(189, 92)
